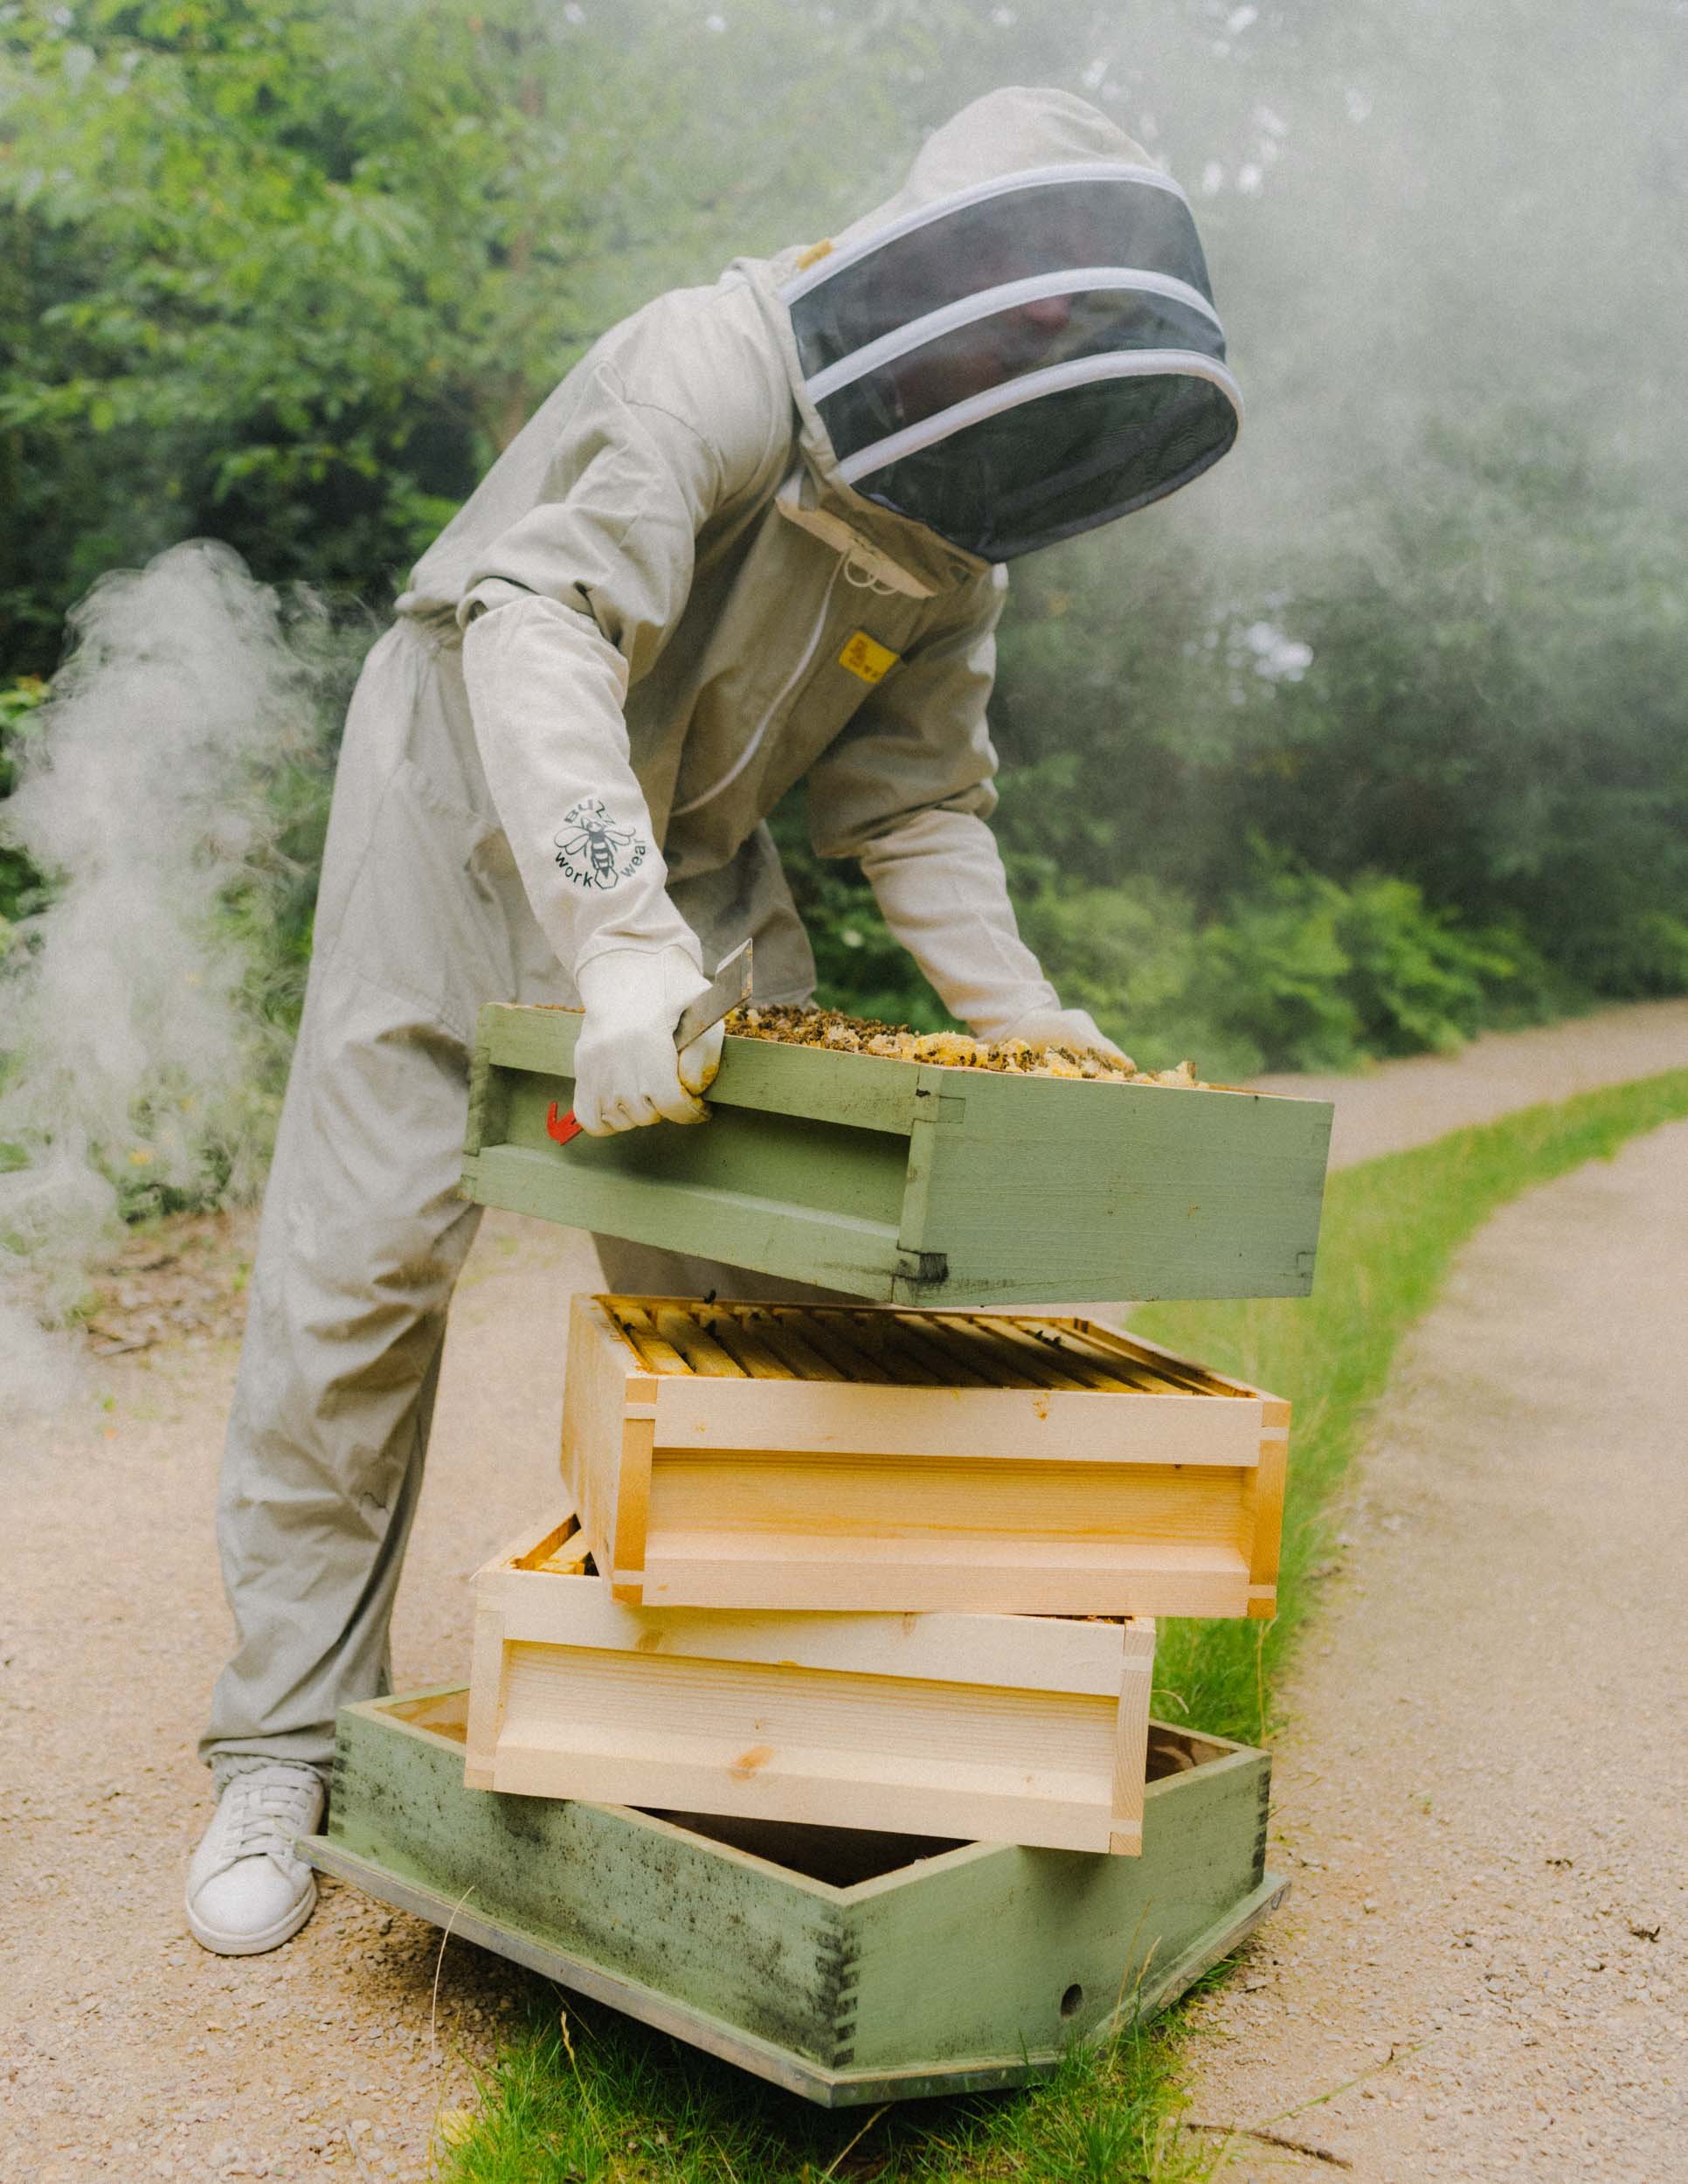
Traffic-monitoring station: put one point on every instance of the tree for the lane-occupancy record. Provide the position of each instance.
(291, 274)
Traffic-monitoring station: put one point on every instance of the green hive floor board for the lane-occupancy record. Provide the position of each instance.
(845, 1965)
(913, 1184)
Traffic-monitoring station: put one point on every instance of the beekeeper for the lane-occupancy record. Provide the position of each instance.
(756, 536)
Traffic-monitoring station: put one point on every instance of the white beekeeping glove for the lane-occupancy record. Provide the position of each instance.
(626, 1071)
(1063, 1028)
(545, 690)
(941, 888)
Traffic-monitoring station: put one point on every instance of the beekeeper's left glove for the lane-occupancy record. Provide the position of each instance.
(1074, 1028)
(626, 1071)
(940, 887)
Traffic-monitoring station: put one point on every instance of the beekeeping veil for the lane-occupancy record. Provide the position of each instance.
(1023, 343)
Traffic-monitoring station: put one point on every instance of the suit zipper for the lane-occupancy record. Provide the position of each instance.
(697, 802)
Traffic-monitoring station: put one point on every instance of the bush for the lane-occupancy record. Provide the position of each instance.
(1294, 970)
(20, 883)
(1474, 682)
(1313, 975)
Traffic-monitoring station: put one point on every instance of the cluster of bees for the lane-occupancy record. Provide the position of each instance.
(794, 1026)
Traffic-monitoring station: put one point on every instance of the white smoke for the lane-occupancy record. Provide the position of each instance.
(132, 1048)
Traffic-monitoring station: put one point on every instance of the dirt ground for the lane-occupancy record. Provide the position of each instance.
(1482, 1972)
(128, 2053)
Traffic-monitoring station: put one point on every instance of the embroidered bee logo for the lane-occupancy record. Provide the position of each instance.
(593, 851)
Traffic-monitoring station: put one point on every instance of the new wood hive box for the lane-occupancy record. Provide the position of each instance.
(848, 1967)
(917, 1184)
(1020, 1729)
(817, 1456)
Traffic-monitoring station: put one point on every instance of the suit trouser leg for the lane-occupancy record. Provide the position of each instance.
(360, 1245)
(363, 1234)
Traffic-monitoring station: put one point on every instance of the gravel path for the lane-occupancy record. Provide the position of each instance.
(1481, 1791)
(1403, 1103)
(127, 2053)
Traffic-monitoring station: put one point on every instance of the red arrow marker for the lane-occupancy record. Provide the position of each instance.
(561, 1127)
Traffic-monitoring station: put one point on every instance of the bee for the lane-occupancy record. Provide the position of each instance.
(589, 834)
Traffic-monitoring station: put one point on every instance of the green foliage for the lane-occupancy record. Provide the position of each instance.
(1292, 970)
(1489, 710)
(283, 263)
(291, 274)
(1301, 972)
(1494, 706)
(268, 914)
(20, 884)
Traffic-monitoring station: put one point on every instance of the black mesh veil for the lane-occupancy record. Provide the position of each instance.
(1024, 361)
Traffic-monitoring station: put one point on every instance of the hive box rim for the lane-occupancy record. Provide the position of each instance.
(631, 1423)
(1229, 1755)
(1087, 1662)
(870, 1179)
(493, 1014)
(729, 2043)
(814, 2080)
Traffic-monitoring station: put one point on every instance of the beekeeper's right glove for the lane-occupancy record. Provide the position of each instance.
(626, 1071)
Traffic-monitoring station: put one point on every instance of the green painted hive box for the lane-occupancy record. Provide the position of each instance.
(845, 1964)
(912, 1183)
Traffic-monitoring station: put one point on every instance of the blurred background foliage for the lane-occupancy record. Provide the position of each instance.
(1372, 739)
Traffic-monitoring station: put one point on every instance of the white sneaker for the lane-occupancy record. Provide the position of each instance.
(247, 1890)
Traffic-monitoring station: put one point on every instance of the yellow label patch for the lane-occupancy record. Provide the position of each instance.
(867, 658)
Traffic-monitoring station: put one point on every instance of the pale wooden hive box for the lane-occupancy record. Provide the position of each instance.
(1009, 1729)
(819, 1456)
(916, 1183)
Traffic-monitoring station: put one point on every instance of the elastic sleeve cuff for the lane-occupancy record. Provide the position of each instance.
(491, 592)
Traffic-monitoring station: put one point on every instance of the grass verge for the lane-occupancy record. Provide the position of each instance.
(587, 2097)
(1391, 1228)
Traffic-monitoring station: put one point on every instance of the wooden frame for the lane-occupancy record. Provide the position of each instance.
(917, 1184)
(1016, 1729)
(847, 1967)
(815, 1456)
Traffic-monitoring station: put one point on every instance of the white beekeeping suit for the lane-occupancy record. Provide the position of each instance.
(755, 536)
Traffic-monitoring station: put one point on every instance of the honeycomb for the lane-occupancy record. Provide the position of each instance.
(796, 1027)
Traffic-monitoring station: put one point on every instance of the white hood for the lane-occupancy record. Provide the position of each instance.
(1023, 342)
